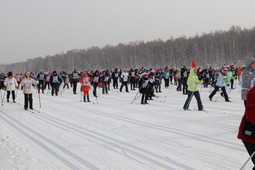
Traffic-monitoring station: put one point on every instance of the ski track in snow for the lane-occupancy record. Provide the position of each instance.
(154, 136)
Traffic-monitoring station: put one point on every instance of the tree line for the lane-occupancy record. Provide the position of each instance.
(208, 49)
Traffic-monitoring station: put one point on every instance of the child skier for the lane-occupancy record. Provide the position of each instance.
(85, 84)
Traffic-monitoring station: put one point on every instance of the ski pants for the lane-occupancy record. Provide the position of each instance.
(190, 95)
(250, 147)
(216, 88)
(28, 99)
(9, 93)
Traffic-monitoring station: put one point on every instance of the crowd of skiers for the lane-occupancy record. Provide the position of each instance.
(146, 81)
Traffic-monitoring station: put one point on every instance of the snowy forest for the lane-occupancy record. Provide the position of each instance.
(208, 49)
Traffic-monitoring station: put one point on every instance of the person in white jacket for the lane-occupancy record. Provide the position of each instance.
(11, 84)
(27, 87)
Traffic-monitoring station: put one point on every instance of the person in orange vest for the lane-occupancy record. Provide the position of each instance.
(85, 84)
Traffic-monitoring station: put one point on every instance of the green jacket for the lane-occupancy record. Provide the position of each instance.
(193, 81)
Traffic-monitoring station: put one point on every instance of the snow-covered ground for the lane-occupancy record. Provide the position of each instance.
(111, 133)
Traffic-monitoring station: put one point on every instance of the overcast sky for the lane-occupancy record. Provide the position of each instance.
(37, 28)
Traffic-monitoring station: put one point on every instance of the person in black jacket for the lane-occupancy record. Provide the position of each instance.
(42, 78)
(115, 77)
(54, 81)
(75, 79)
(143, 88)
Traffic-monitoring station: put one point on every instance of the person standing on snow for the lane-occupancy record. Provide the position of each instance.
(54, 82)
(27, 86)
(124, 80)
(42, 78)
(193, 83)
(11, 84)
(247, 77)
(85, 84)
(220, 83)
(75, 78)
(245, 134)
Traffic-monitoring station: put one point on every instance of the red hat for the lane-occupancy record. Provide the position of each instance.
(193, 64)
(145, 75)
(225, 69)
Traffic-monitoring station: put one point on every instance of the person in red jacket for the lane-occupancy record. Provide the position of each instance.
(85, 84)
(249, 115)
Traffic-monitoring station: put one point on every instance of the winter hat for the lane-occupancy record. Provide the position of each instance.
(225, 69)
(145, 75)
(193, 64)
(9, 74)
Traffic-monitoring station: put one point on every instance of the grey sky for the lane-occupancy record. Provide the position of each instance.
(37, 28)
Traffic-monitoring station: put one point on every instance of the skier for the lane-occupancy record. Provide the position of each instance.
(247, 77)
(124, 80)
(11, 84)
(85, 84)
(75, 78)
(95, 82)
(105, 78)
(143, 88)
(220, 83)
(54, 82)
(115, 76)
(246, 134)
(42, 78)
(158, 79)
(193, 83)
(27, 86)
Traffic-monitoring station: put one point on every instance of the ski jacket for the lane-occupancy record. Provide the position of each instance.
(85, 83)
(124, 76)
(247, 76)
(10, 83)
(27, 84)
(41, 77)
(54, 79)
(75, 76)
(250, 115)
(193, 81)
(221, 80)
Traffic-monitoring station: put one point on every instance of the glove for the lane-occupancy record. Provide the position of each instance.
(196, 84)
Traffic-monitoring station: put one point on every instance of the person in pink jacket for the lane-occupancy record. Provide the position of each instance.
(27, 86)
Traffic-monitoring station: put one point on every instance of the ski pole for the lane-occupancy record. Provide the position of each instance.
(39, 100)
(81, 94)
(250, 157)
(1, 98)
(136, 95)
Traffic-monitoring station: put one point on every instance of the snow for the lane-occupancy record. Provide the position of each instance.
(110, 133)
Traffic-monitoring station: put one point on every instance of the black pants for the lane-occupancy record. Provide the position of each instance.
(190, 95)
(124, 83)
(115, 83)
(54, 89)
(250, 147)
(166, 82)
(41, 86)
(104, 88)
(95, 88)
(185, 87)
(28, 99)
(144, 98)
(13, 94)
(74, 86)
(132, 83)
(216, 88)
